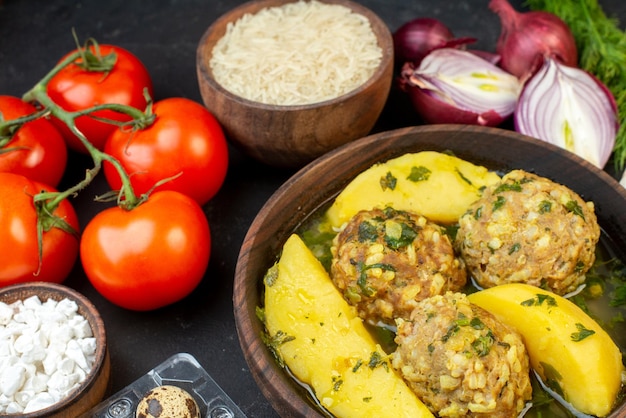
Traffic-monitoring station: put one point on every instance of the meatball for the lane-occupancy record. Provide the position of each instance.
(531, 230)
(385, 261)
(461, 361)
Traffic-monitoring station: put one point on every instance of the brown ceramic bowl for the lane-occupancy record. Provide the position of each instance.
(291, 136)
(94, 388)
(321, 180)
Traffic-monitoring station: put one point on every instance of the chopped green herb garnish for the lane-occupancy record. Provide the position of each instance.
(376, 359)
(539, 300)
(478, 213)
(420, 173)
(579, 267)
(366, 289)
(270, 277)
(399, 235)
(388, 182)
(574, 207)
(367, 232)
(452, 329)
(357, 366)
(450, 231)
(274, 341)
(260, 313)
(514, 248)
(508, 187)
(552, 377)
(465, 179)
(482, 345)
(500, 201)
(337, 382)
(545, 206)
(476, 323)
(582, 333)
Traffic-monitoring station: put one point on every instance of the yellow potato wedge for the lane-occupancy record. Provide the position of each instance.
(324, 343)
(568, 349)
(439, 186)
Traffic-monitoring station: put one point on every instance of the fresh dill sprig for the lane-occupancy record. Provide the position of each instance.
(601, 48)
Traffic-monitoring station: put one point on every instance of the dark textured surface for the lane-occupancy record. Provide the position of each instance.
(34, 34)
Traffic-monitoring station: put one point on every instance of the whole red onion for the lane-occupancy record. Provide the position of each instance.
(527, 38)
(416, 38)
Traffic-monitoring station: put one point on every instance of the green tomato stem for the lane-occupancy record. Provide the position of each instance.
(139, 120)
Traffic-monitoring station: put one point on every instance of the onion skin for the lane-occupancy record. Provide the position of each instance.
(526, 38)
(416, 38)
(455, 86)
(571, 108)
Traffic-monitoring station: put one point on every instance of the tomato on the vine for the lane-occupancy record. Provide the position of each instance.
(19, 258)
(74, 88)
(36, 150)
(150, 256)
(185, 144)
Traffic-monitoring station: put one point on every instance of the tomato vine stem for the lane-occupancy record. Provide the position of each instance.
(46, 203)
(139, 119)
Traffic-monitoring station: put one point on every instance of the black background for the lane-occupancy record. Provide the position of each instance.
(34, 34)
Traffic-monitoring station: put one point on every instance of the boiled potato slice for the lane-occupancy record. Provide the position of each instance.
(325, 344)
(439, 186)
(567, 348)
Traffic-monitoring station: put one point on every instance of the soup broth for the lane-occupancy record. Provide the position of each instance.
(603, 297)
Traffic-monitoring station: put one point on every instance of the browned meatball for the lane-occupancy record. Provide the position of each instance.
(461, 361)
(529, 229)
(385, 261)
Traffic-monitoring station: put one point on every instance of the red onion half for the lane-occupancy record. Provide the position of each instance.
(456, 86)
(527, 38)
(416, 38)
(569, 107)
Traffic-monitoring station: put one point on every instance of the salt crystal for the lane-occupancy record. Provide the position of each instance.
(67, 307)
(36, 383)
(63, 334)
(14, 408)
(88, 345)
(23, 343)
(66, 366)
(24, 396)
(61, 382)
(39, 401)
(53, 358)
(6, 313)
(81, 327)
(75, 352)
(32, 302)
(12, 379)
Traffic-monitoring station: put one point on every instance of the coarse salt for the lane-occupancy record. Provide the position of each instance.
(46, 350)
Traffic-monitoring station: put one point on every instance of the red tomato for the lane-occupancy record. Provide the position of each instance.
(185, 139)
(18, 229)
(148, 257)
(36, 150)
(75, 89)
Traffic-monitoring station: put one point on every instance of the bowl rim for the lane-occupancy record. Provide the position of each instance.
(88, 310)
(269, 377)
(204, 53)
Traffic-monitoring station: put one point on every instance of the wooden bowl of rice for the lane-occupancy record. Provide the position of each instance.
(290, 80)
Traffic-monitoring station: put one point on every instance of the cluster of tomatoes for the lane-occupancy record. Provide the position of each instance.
(163, 161)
